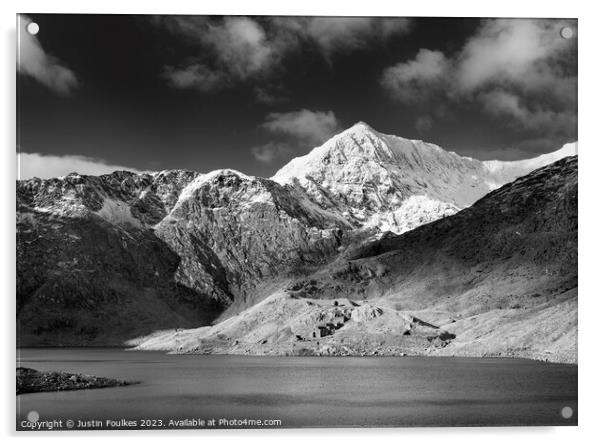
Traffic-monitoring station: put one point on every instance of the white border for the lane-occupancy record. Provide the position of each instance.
(590, 216)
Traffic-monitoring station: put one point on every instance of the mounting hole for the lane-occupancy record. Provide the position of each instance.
(32, 28)
(566, 412)
(566, 32)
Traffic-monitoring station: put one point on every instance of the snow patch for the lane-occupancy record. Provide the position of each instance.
(412, 213)
(261, 198)
(118, 213)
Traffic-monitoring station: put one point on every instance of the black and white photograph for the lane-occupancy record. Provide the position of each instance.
(276, 222)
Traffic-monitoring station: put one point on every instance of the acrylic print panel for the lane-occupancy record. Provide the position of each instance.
(276, 222)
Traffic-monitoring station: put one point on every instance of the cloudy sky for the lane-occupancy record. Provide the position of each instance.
(98, 93)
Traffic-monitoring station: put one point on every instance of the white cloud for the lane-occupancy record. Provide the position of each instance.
(243, 46)
(514, 50)
(231, 50)
(520, 71)
(410, 80)
(236, 49)
(33, 61)
(345, 34)
(51, 166)
(271, 152)
(311, 127)
(270, 94)
(195, 76)
(297, 131)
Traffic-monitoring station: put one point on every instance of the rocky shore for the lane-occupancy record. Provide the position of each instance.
(29, 380)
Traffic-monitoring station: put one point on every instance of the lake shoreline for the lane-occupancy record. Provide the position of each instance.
(130, 349)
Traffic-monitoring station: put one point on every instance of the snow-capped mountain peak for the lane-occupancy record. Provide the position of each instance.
(371, 177)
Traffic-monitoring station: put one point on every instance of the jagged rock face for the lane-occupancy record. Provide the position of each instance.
(123, 198)
(233, 231)
(86, 267)
(179, 245)
(397, 184)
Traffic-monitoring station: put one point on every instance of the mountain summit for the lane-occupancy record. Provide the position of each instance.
(391, 183)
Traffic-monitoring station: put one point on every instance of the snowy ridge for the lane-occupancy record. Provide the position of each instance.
(189, 191)
(252, 191)
(360, 178)
(504, 169)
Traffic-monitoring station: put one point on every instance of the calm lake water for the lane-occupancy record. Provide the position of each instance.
(305, 391)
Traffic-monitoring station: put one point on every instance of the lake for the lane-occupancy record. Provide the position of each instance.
(301, 391)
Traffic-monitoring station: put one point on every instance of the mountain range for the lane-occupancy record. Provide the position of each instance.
(410, 241)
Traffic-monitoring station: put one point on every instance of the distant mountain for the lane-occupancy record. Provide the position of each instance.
(103, 259)
(397, 184)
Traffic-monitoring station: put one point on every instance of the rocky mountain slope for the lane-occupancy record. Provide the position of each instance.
(87, 270)
(173, 248)
(498, 278)
(105, 259)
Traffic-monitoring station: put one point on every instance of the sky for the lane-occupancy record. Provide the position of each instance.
(98, 93)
